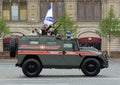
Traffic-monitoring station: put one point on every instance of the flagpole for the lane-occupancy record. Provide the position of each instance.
(48, 21)
(49, 15)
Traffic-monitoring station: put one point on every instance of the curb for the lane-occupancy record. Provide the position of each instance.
(7, 61)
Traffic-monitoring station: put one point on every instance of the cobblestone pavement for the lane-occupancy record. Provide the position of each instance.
(11, 75)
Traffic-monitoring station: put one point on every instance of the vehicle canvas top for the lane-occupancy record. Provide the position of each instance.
(46, 43)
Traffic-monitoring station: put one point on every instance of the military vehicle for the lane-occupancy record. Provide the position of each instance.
(37, 52)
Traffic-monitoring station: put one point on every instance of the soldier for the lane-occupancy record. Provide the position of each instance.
(44, 29)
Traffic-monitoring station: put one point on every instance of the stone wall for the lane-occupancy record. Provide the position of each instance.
(71, 8)
(1, 46)
(33, 10)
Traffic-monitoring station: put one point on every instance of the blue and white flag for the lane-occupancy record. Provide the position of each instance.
(49, 16)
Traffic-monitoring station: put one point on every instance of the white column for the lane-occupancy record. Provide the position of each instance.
(1, 45)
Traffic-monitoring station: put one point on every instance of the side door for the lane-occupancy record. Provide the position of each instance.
(52, 53)
(62, 54)
(70, 54)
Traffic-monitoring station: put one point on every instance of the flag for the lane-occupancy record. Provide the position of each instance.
(49, 16)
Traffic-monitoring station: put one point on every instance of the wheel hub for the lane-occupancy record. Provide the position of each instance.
(31, 68)
(91, 67)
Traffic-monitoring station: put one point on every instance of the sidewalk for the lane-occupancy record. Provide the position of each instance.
(8, 61)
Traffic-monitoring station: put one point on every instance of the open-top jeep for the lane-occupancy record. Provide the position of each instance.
(37, 52)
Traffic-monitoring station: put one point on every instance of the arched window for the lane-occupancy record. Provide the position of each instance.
(58, 8)
(89, 10)
(15, 10)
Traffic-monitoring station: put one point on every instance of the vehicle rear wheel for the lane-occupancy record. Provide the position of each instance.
(31, 68)
(90, 67)
(13, 47)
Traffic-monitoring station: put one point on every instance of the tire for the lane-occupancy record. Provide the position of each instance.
(90, 67)
(31, 68)
(13, 47)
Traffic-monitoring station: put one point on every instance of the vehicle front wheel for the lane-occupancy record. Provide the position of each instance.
(31, 68)
(90, 67)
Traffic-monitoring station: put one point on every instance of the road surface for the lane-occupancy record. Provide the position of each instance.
(11, 75)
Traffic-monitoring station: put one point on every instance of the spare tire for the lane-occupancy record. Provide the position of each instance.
(13, 47)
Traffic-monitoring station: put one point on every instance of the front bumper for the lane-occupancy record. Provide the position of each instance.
(106, 64)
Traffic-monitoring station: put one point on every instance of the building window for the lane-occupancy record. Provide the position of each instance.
(23, 11)
(6, 10)
(58, 8)
(15, 10)
(89, 10)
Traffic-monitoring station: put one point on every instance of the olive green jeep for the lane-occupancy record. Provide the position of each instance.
(37, 52)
